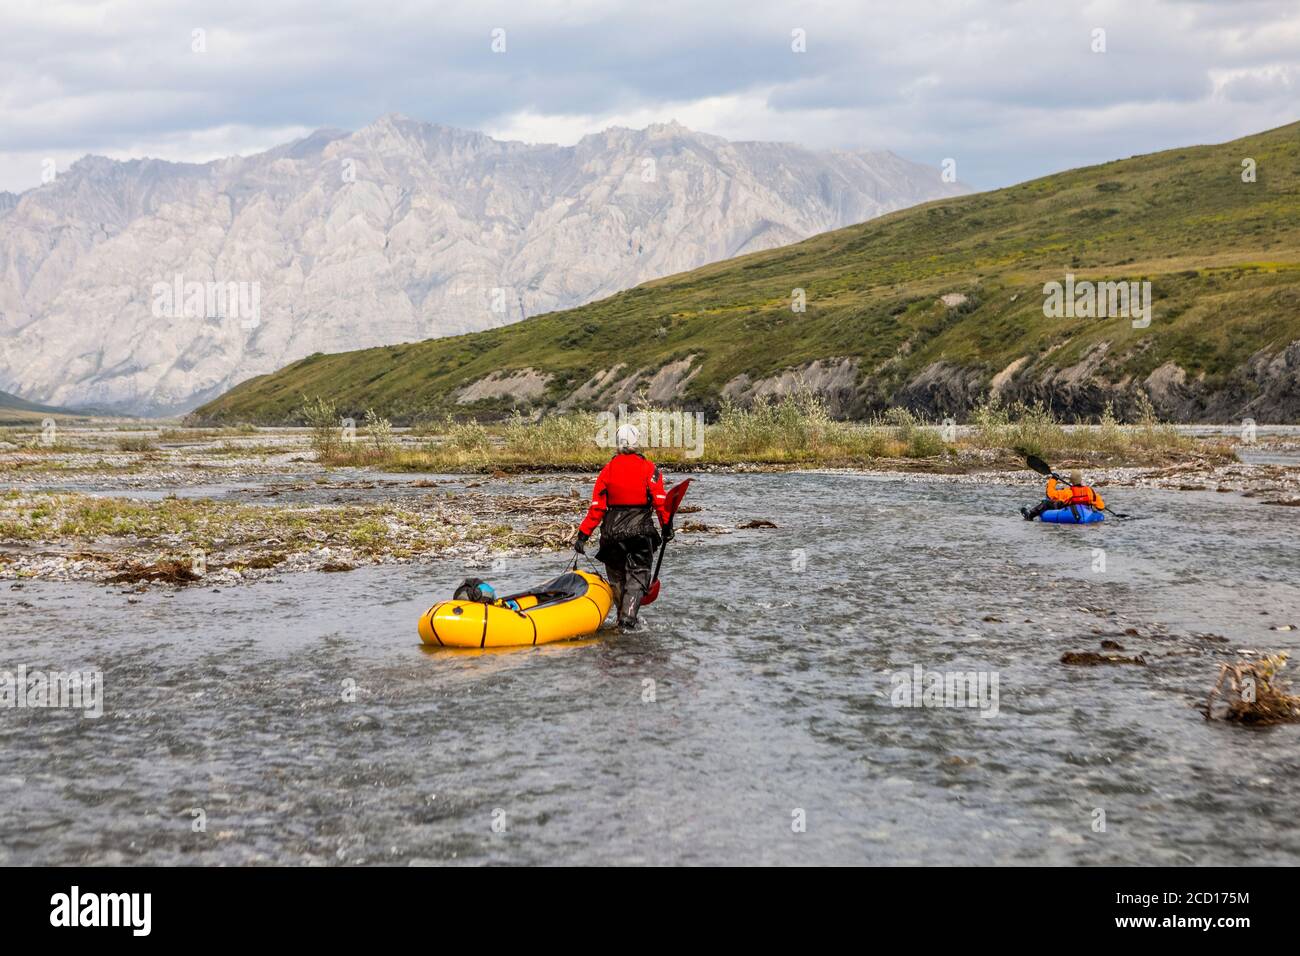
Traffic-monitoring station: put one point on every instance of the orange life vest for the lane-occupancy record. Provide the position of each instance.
(1081, 495)
(1073, 494)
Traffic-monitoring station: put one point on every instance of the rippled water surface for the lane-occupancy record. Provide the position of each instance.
(770, 654)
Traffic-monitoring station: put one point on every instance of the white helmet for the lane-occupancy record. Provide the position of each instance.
(627, 437)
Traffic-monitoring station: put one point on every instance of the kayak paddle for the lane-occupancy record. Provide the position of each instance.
(1043, 468)
(674, 497)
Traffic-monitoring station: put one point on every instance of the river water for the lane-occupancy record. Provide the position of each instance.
(300, 720)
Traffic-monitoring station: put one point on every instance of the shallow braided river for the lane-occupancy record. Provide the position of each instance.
(753, 720)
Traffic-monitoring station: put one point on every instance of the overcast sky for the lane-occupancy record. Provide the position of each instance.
(1011, 90)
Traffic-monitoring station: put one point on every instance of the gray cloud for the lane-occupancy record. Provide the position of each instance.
(1010, 89)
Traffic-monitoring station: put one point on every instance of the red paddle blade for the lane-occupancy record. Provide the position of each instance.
(674, 495)
(673, 499)
(651, 594)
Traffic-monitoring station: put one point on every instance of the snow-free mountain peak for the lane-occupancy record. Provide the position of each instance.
(151, 286)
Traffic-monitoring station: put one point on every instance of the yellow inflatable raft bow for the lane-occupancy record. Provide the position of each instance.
(572, 605)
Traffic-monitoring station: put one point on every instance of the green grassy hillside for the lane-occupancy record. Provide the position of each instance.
(1223, 256)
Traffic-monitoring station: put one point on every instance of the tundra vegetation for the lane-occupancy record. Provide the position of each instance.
(795, 430)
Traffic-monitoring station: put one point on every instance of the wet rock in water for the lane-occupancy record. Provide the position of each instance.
(1288, 502)
(700, 527)
(1093, 659)
(366, 722)
(756, 523)
(1112, 646)
(337, 566)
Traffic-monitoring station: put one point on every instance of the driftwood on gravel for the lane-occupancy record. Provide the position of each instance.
(159, 572)
(518, 504)
(545, 534)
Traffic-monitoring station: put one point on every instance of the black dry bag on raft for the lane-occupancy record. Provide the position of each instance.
(475, 589)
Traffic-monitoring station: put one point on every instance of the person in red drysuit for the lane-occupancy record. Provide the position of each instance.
(629, 493)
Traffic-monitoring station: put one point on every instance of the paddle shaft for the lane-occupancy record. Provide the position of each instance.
(675, 495)
(659, 562)
(653, 591)
(676, 502)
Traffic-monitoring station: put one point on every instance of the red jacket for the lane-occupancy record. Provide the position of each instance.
(628, 479)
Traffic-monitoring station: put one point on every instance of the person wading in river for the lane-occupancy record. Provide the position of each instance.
(629, 493)
(1060, 495)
